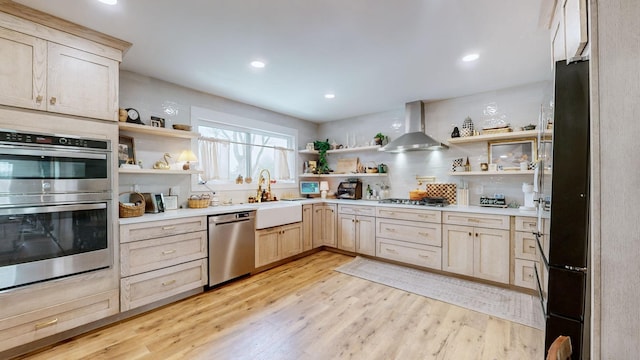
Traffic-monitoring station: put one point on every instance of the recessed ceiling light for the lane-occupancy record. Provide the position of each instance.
(257, 64)
(470, 57)
(329, 96)
(109, 2)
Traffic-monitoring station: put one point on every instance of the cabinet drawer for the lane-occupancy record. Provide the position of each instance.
(479, 220)
(433, 216)
(416, 232)
(526, 247)
(155, 229)
(156, 285)
(357, 210)
(421, 255)
(146, 255)
(525, 223)
(525, 273)
(24, 328)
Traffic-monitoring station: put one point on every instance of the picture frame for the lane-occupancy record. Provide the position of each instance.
(157, 121)
(126, 150)
(508, 155)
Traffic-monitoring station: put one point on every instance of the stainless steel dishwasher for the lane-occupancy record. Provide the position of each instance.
(231, 246)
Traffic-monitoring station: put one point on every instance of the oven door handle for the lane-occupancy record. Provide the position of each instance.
(53, 153)
(52, 209)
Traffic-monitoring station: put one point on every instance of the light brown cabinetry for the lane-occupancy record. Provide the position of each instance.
(412, 236)
(324, 225)
(52, 319)
(49, 76)
(160, 259)
(569, 30)
(526, 253)
(278, 243)
(482, 252)
(307, 227)
(356, 229)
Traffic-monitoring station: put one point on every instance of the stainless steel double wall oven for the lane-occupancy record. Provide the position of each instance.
(55, 199)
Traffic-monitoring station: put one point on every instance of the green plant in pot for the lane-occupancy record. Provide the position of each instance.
(379, 138)
(322, 147)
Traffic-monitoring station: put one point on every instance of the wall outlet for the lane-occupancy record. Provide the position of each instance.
(478, 189)
(136, 188)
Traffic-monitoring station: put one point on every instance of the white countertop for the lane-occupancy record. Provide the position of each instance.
(224, 209)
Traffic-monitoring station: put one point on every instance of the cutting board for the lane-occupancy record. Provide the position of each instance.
(347, 166)
(447, 191)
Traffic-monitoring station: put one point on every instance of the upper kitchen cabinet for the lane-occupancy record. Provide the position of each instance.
(73, 72)
(569, 30)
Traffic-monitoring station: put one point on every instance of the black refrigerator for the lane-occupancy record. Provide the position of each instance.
(565, 298)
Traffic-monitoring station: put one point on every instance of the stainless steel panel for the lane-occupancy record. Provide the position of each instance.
(231, 246)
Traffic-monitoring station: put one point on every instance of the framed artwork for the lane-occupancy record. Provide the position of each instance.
(508, 155)
(157, 121)
(126, 150)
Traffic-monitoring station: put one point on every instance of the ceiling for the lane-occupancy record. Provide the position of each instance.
(375, 55)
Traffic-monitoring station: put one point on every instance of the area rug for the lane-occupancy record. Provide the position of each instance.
(491, 300)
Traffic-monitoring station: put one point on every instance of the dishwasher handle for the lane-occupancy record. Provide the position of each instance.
(233, 217)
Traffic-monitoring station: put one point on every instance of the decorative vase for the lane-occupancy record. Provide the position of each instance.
(467, 127)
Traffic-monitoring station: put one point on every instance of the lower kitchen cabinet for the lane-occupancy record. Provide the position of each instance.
(160, 259)
(357, 234)
(526, 253)
(152, 286)
(324, 225)
(307, 227)
(474, 251)
(412, 236)
(278, 243)
(52, 319)
(410, 253)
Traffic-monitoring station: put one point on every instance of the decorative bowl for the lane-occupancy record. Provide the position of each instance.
(182, 127)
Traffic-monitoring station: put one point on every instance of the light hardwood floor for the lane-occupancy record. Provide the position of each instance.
(305, 310)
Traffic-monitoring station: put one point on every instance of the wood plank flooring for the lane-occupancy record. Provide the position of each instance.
(305, 310)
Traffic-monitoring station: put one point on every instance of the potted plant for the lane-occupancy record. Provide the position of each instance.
(322, 147)
(379, 138)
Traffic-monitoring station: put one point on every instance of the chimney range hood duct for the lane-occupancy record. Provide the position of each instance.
(414, 138)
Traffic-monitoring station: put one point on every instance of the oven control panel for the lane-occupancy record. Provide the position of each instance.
(12, 137)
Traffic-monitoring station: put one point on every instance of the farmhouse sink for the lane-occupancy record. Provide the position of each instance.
(270, 214)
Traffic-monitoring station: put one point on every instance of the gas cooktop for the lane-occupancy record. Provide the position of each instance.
(427, 201)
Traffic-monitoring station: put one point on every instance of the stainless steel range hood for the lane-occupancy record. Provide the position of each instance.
(414, 138)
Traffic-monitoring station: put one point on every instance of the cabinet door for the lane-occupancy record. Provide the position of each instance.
(23, 75)
(267, 250)
(557, 39)
(366, 235)
(347, 232)
(491, 254)
(80, 83)
(318, 225)
(290, 240)
(457, 249)
(330, 228)
(575, 25)
(307, 227)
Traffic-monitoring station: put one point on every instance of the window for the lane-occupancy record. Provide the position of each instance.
(226, 150)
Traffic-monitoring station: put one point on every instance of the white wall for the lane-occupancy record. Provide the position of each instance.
(150, 96)
(520, 104)
(616, 242)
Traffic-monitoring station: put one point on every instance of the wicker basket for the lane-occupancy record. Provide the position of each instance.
(199, 202)
(127, 211)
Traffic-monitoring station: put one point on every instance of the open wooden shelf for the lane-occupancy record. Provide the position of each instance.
(343, 175)
(501, 136)
(347, 150)
(158, 172)
(157, 131)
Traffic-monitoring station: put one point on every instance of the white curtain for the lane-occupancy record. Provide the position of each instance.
(282, 164)
(210, 151)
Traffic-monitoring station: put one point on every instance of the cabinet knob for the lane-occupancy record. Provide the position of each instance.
(53, 100)
(39, 99)
(469, 233)
(476, 234)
